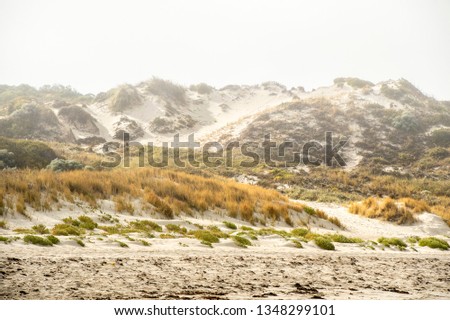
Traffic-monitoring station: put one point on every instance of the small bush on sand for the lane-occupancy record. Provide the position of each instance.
(299, 232)
(80, 242)
(396, 242)
(40, 229)
(176, 228)
(53, 239)
(5, 239)
(413, 239)
(324, 243)
(206, 243)
(145, 243)
(36, 240)
(24, 231)
(122, 244)
(87, 223)
(145, 225)
(3, 224)
(230, 225)
(205, 235)
(343, 239)
(64, 229)
(434, 243)
(297, 244)
(241, 241)
(167, 236)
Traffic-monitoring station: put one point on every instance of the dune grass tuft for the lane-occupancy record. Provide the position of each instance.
(241, 241)
(324, 243)
(396, 242)
(384, 209)
(36, 240)
(230, 225)
(434, 243)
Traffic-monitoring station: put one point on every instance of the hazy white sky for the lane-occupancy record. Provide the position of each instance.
(95, 45)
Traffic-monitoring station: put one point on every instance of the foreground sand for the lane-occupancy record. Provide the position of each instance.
(218, 274)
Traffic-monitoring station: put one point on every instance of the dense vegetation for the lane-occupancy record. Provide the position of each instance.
(25, 154)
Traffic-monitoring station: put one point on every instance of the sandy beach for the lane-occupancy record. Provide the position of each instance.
(222, 274)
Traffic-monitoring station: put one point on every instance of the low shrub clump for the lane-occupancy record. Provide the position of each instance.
(40, 229)
(5, 239)
(230, 225)
(297, 244)
(53, 239)
(205, 235)
(396, 242)
(241, 241)
(80, 242)
(36, 240)
(434, 243)
(324, 243)
(176, 228)
(343, 239)
(299, 232)
(65, 229)
(122, 244)
(145, 225)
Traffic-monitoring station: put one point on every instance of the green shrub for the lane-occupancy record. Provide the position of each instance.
(434, 243)
(241, 241)
(206, 243)
(80, 242)
(41, 229)
(5, 239)
(413, 239)
(392, 242)
(441, 137)
(24, 231)
(145, 243)
(36, 240)
(60, 165)
(122, 244)
(26, 153)
(230, 225)
(146, 225)
(176, 228)
(65, 229)
(167, 236)
(343, 239)
(87, 223)
(245, 228)
(297, 244)
(53, 239)
(3, 224)
(324, 243)
(299, 232)
(205, 235)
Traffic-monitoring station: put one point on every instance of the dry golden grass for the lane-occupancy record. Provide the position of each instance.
(386, 209)
(417, 206)
(167, 191)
